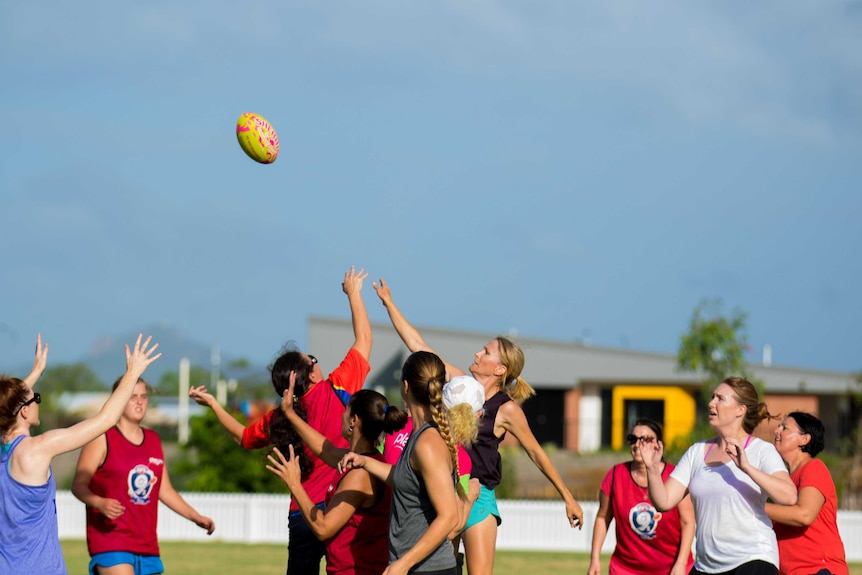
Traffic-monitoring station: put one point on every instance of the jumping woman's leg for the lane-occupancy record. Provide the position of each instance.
(480, 545)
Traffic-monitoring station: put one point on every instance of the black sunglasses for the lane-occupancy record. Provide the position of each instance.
(312, 358)
(37, 398)
(632, 439)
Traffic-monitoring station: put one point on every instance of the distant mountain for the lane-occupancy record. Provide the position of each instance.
(107, 358)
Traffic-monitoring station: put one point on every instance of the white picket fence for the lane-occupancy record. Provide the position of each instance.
(248, 518)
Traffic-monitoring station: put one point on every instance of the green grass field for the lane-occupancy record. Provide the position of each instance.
(216, 558)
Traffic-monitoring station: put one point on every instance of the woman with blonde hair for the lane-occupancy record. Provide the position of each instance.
(729, 479)
(424, 508)
(497, 366)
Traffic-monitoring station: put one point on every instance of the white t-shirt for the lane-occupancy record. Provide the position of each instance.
(732, 525)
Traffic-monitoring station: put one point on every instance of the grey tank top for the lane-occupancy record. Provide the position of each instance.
(411, 513)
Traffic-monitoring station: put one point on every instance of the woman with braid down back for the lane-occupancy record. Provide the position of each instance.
(497, 366)
(424, 505)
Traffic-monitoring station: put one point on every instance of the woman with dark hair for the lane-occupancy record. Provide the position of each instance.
(29, 541)
(424, 502)
(321, 404)
(644, 535)
(729, 479)
(497, 366)
(808, 538)
(355, 521)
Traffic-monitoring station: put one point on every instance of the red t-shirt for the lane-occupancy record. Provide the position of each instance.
(806, 550)
(131, 474)
(324, 404)
(361, 547)
(645, 536)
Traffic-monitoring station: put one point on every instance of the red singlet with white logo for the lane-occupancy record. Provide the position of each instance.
(131, 474)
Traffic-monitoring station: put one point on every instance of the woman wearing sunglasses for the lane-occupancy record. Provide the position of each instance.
(29, 541)
(321, 403)
(644, 535)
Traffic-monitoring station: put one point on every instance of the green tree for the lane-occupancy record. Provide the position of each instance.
(70, 377)
(713, 347)
(212, 462)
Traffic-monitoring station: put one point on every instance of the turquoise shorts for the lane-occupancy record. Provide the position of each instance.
(143, 564)
(484, 506)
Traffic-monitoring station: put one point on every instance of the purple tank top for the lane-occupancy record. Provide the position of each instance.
(29, 541)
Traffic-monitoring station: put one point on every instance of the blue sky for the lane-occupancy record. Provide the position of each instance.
(562, 169)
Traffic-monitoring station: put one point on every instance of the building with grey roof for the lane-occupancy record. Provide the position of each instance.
(587, 396)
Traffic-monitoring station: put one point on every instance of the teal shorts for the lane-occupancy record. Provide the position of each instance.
(484, 506)
(143, 564)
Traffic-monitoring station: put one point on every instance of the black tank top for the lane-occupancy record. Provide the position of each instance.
(485, 453)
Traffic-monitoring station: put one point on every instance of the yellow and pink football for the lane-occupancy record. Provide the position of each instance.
(257, 138)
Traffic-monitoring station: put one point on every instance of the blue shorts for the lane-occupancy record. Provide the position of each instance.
(484, 506)
(143, 564)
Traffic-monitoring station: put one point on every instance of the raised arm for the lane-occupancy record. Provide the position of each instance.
(234, 428)
(33, 460)
(39, 363)
(408, 334)
(511, 417)
(352, 286)
(664, 495)
(316, 441)
(175, 502)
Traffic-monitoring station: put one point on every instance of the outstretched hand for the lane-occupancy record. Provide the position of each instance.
(287, 397)
(382, 290)
(201, 396)
(139, 358)
(352, 283)
(39, 363)
(286, 469)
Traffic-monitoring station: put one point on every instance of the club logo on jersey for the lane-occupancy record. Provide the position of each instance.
(141, 481)
(644, 519)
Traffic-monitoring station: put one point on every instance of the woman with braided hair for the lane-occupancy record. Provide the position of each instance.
(497, 366)
(424, 501)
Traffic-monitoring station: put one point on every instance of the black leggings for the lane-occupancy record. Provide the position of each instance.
(756, 567)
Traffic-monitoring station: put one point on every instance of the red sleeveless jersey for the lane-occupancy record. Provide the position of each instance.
(131, 474)
(361, 547)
